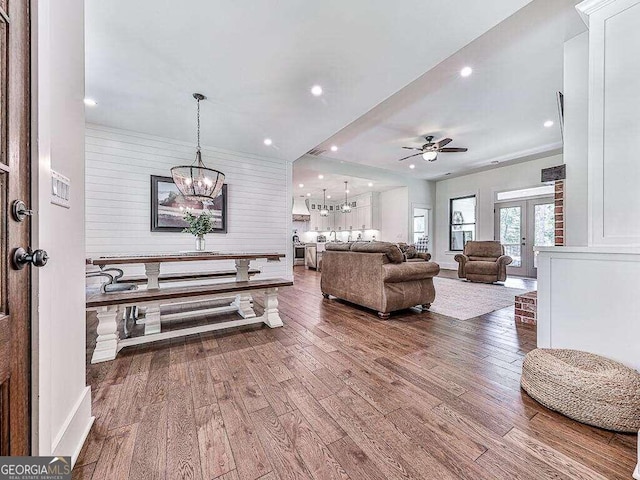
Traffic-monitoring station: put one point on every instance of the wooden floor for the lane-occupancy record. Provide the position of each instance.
(338, 393)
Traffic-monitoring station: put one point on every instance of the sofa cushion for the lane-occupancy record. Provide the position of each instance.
(391, 250)
(409, 251)
(339, 246)
(409, 271)
(482, 268)
(483, 259)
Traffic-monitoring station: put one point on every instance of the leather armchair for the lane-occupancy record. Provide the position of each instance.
(483, 261)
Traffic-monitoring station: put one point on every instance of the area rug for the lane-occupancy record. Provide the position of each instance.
(463, 300)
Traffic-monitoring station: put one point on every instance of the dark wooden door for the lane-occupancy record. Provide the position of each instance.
(15, 285)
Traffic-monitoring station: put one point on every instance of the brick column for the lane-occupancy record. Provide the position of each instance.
(559, 212)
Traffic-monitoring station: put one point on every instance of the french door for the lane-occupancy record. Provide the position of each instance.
(15, 284)
(520, 227)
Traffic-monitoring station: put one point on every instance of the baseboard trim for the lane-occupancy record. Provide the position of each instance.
(74, 431)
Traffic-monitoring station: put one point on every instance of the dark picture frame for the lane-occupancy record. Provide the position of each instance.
(167, 205)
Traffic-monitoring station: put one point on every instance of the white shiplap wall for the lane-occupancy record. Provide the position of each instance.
(119, 165)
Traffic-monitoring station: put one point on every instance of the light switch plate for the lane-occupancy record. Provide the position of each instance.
(60, 190)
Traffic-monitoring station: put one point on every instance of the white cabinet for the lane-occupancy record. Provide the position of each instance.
(363, 216)
(614, 122)
(314, 223)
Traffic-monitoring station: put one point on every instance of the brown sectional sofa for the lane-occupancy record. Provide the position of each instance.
(378, 276)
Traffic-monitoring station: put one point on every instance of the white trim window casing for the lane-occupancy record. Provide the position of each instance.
(462, 221)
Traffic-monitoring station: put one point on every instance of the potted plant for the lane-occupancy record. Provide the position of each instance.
(199, 226)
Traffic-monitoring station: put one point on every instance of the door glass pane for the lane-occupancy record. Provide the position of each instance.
(511, 233)
(544, 227)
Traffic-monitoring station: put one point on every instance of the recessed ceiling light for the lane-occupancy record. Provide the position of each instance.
(334, 148)
(90, 102)
(316, 90)
(412, 166)
(308, 194)
(548, 123)
(347, 190)
(320, 176)
(328, 196)
(370, 184)
(466, 71)
(301, 185)
(268, 141)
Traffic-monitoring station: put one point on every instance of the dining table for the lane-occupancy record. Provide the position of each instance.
(152, 262)
(242, 303)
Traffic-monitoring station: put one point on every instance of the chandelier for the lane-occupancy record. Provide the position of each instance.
(346, 208)
(196, 180)
(324, 211)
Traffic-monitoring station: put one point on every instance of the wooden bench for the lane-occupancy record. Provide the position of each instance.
(184, 277)
(108, 306)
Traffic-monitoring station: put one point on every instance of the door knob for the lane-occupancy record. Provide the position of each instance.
(22, 257)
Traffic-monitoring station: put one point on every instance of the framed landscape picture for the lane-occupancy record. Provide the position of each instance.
(168, 207)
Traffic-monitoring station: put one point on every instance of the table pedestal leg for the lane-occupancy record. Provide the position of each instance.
(244, 304)
(271, 315)
(244, 301)
(152, 319)
(152, 271)
(107, 342)
(242, 270)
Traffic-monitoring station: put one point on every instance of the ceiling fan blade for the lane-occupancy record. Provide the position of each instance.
(415, 155)
(451, 149)
(443, 142)
(413, 148)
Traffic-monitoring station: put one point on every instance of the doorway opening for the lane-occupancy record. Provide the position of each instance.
(420, 216)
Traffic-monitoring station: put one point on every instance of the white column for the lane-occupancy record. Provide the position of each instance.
(107, 342)
(152, 319)
(271, 315)
(152, 271)
(614, 172)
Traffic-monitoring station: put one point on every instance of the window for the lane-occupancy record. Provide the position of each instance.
(526, 192)
(462, 222)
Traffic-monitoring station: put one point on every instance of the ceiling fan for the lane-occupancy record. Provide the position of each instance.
(430, 150)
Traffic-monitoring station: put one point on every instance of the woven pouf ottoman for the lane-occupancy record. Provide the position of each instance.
(585, 387)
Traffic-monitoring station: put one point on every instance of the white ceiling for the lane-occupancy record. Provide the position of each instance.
(498, 112)
(307, 175)
(256, 64)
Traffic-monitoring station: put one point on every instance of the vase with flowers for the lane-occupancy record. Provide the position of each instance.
(198, 226)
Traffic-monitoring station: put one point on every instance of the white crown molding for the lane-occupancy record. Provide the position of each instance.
(588, 7)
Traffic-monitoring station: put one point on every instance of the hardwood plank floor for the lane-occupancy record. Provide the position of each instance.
(338, 394)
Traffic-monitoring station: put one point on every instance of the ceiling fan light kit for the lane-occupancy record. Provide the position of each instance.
(430, 156)
(429, 151)
(197, 180)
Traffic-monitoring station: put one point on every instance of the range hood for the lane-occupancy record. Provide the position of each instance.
(300, 210)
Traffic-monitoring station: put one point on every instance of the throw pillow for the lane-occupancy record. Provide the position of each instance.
(422, 245)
